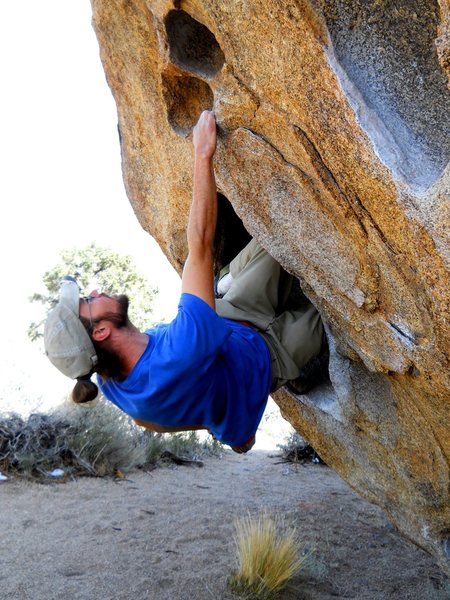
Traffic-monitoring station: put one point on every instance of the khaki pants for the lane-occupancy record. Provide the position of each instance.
(257, 295)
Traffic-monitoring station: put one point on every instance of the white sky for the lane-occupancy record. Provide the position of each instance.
(61, 182)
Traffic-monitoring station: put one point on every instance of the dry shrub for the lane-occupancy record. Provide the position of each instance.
(103, 438)
(93, 442)
(98, 440)
(186, 445)
(268, 557)
(297, 450)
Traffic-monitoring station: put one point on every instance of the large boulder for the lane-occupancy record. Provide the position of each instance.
(333, 151)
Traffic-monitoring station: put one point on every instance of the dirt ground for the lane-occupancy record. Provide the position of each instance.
(168, 534)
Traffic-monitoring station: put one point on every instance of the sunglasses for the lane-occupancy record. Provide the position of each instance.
(88, 300)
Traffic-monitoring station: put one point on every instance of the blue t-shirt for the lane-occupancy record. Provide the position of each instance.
(200, 369)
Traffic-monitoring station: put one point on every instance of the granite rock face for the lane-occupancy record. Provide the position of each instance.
(333, 151)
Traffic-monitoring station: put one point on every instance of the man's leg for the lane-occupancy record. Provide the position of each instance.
(294, 338)
(260, 285)
(259, 290)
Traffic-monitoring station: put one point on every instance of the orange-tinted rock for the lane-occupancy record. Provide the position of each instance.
(333, 149)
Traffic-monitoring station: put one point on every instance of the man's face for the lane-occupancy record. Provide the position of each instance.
(101, 306)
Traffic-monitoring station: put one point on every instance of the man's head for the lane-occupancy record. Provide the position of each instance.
(99, 313)
(78, 330)
(103, 316)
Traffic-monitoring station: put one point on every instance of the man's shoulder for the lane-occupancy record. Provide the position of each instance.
(188, 300)
(197, 308)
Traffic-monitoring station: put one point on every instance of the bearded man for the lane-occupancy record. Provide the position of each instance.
(215, 364)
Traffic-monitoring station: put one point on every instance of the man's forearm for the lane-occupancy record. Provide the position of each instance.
(203, 212)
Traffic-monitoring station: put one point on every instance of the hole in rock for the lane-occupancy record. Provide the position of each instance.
(387, 50)
(186, 97)
(192, 45)
(231, 235)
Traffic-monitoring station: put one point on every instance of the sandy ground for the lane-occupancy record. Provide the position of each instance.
(168, 535)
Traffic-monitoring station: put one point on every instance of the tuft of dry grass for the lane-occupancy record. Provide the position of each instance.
(268, 557)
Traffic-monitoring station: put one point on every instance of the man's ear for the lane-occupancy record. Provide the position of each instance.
(101, 331)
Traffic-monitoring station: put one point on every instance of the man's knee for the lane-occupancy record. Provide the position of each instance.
(245, 256)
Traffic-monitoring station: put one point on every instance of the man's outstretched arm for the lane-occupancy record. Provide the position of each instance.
(198, 277)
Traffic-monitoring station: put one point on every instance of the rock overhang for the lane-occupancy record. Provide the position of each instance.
(341, 173)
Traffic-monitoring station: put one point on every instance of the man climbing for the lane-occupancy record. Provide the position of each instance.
(215, 364)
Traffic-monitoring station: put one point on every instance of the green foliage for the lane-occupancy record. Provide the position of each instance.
(95, 267)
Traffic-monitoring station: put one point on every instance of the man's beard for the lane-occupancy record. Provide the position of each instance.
(109, 365)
